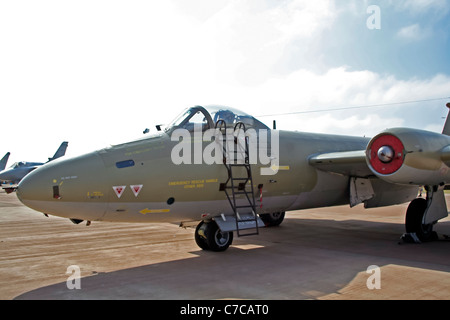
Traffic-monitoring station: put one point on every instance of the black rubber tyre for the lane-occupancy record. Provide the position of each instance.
(413, 221)
(217, 240)
(200, 236)
(272, 219)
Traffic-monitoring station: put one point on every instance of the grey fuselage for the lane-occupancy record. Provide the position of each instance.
(18, 171)
(138, 182)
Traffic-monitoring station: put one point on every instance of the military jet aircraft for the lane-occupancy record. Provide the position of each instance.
(18, 170)
(227, 173)
(4, 161)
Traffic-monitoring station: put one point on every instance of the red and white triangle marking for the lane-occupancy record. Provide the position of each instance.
(136, 189)
(119, 190)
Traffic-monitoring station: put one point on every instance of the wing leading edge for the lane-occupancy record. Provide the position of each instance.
(349, 163)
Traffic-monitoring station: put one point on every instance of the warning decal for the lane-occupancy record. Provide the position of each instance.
(119, 190)
(136, 189)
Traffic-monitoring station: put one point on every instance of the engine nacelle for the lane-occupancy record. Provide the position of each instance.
(410, 156)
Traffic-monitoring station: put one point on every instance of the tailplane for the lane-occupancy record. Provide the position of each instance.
(4, 161)
(446, 129)
(60, 152)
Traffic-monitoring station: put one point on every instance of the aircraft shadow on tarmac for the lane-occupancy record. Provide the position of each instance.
(301, 259)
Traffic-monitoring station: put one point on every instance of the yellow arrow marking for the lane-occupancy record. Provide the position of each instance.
(286, 168)
(145, 211)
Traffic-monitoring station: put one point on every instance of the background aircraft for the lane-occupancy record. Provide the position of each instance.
(18, 170)
(4, 161)
(139, 181)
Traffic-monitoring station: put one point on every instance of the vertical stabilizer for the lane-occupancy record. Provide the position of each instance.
(4, 161)
(60, 152)
(446, 130)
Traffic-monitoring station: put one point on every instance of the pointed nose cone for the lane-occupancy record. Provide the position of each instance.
(35, 185)
(59, 187)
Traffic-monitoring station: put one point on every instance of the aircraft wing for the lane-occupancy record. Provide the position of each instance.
(349, 163)
(9, 188)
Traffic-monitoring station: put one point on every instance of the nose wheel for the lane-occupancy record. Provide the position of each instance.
(208, 236)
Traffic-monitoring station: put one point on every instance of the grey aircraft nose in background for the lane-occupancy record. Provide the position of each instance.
(19, 170)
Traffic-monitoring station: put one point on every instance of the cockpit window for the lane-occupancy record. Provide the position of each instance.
(192, 118)
(232, 117)
(17, 165)
(197, 119)
(178, 120)
(206, 118)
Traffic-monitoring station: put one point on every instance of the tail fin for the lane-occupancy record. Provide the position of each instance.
(446, 129)
(60, 152)
(4, 161)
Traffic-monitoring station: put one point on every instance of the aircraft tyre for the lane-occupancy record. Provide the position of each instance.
(200, 237)
(414, 218)
(209, 237)
(272, 219)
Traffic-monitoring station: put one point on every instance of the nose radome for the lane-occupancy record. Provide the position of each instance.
(34, 186)
(56, 187)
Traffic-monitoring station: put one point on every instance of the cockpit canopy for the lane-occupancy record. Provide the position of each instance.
(207, 118)
(25, 164)
(18, 165)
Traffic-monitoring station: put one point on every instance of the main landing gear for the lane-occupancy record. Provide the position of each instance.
(414, 222)
(272, 219)
(423, 214)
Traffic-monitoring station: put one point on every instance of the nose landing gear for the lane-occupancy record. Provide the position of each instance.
(208, 236)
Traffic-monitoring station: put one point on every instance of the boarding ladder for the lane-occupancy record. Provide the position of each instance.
(237, 161)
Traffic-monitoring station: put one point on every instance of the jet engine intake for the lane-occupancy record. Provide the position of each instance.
(386, 154)
(410, 156)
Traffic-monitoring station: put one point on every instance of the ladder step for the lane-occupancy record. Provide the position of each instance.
(235, 187)
(240, 234)
(229, 224)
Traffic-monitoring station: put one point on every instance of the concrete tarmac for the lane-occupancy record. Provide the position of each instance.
(315, 254)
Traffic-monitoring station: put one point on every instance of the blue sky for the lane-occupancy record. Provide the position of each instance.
(99, 72)
(413, 40)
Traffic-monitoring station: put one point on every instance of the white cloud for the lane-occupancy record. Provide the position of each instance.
(413, 33)
(100, 72)
(306, 91)
(420, 6)
(250, 39)
(359, 125)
